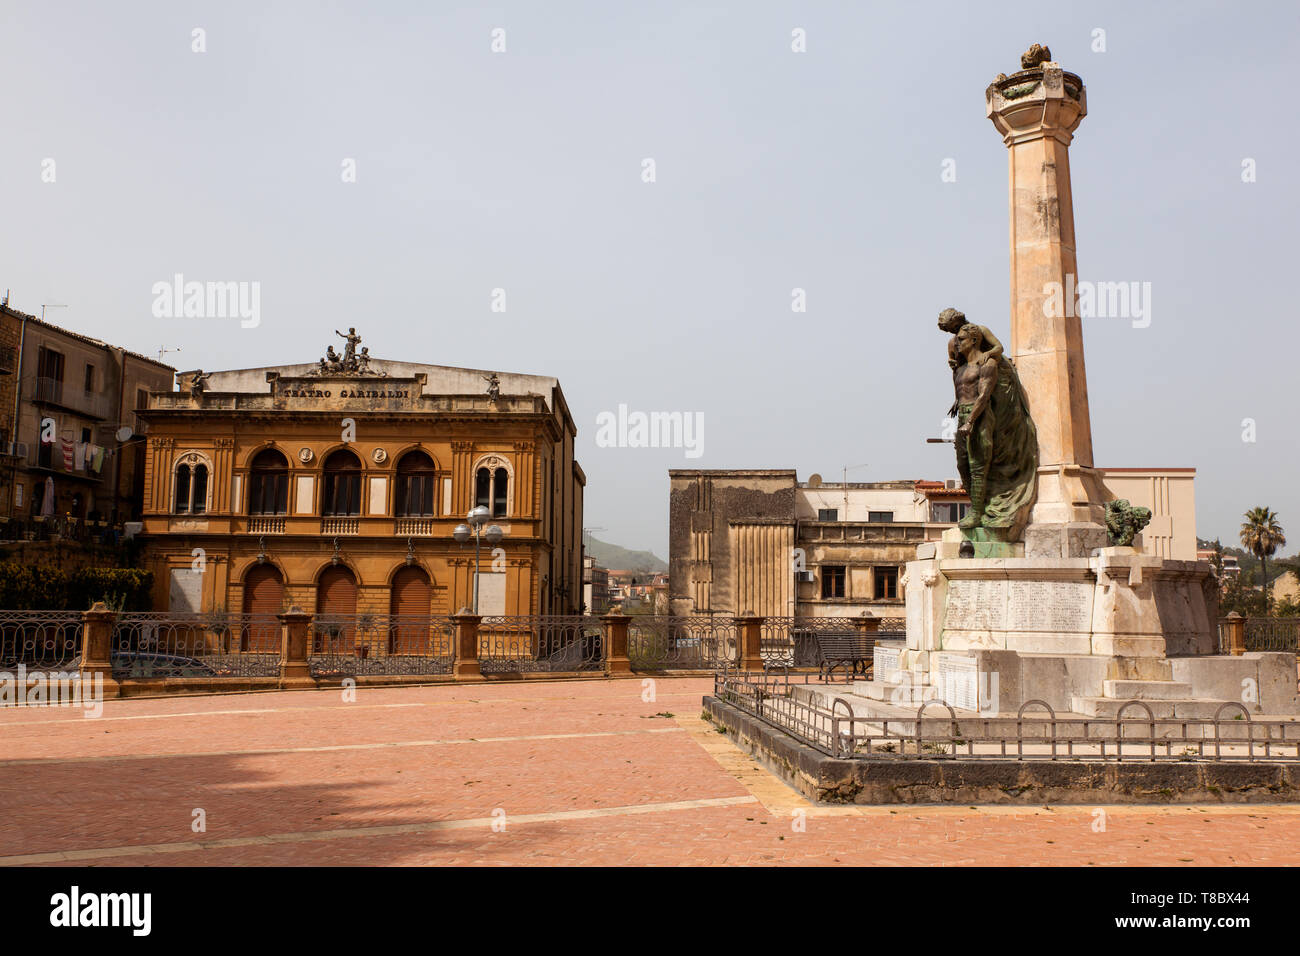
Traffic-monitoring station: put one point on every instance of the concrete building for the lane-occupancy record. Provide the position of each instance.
(595, 587)
(69, 421)
(336, 485)
(1170, 495)
(762, 541)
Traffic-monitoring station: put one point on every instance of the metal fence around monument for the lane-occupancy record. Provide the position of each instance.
(936, 732)
(540, 643)
(214, 644)
(40, 640)
(682, 642)
(353, 645)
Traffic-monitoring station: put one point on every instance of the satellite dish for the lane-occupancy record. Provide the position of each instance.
(124, 433)
(814, 481)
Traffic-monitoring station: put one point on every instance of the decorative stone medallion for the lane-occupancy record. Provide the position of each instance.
(380, 456)
(304, 454)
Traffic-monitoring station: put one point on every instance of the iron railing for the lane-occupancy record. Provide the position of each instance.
(540, 642)
(1034, 733)
(40, 639)
(680, 642)
(1272, 633)
(793, 641)
(203, 644)
(390, 644)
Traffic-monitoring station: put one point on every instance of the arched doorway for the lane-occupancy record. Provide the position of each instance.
(336, 608)
(409, 602)
(263, 599)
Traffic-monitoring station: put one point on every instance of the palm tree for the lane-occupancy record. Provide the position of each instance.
(1261, 535)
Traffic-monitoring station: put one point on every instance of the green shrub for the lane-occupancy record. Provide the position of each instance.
(26, 587)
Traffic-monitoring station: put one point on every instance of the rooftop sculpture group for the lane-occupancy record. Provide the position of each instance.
(351, 362)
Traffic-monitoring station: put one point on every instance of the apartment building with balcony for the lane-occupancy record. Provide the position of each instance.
(335, 486)
(71, 444)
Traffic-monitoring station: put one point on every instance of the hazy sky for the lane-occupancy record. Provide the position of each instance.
(774, 170)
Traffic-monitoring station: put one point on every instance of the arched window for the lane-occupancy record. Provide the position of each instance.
(268, 483)
(182, 498)
(342, 492)
(415, 477)
(500, 490)
(191, 487)
(492, 488)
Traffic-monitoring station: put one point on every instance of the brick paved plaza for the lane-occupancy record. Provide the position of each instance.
(585, 772)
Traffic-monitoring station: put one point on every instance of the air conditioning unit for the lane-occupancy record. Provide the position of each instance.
(805, 577)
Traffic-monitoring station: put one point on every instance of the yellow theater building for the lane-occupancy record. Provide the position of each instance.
(336, 487)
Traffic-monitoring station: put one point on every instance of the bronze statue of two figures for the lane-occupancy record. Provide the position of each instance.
(997, 444)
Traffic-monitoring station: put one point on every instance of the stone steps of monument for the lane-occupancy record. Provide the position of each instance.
(903, 679)
(1107, 708)
(1146, 690)
(902, 694)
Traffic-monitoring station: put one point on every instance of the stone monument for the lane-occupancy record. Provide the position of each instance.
(1044, 591)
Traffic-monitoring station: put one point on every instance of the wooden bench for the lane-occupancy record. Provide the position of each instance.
(848, 649)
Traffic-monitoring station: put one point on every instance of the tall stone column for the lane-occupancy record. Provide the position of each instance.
(1037, 111)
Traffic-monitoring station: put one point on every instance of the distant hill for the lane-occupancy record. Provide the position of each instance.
(621, 559)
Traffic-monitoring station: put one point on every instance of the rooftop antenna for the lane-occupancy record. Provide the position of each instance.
(164, 350)
(46, 305)
(847, 469)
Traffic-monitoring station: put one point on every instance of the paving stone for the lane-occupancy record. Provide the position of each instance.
(585, 773)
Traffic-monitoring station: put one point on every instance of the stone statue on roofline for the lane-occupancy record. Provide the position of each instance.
(351, 362)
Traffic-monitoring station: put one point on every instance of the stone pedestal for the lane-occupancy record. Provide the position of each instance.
(295, 636)
(749, 633)
(96, 649)
(615, 633)
(466, 666)
(1084, 634)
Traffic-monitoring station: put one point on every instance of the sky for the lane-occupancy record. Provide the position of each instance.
(862, 170)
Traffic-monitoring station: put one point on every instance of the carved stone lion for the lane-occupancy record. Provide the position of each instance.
(1124, 522)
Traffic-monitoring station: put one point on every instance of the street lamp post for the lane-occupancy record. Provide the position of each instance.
(477, 517)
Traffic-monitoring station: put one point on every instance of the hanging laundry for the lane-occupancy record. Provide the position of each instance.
(79, 456)
(69, 449)
(96, 458)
